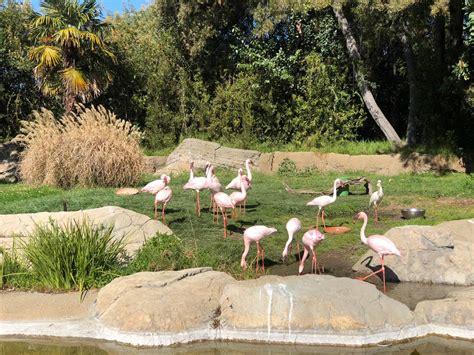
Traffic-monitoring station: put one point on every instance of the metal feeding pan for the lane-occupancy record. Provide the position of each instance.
(410, 213)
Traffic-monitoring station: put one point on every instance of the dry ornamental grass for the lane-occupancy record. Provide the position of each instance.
(91, 147)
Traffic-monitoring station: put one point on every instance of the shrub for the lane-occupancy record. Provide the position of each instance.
(162, 252)
(12, 272)
(76, 256)
(90, 147)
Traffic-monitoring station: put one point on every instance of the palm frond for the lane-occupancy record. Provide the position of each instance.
(75, 80)
(45, 55)
(68, 37)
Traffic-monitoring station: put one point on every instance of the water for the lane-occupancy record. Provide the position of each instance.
(425, 346)
(337, 264)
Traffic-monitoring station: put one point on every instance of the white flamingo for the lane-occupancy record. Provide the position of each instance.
(323, 201)
(375, 200)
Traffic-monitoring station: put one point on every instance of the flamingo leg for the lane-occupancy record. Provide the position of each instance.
(211, 203)
(322, 216)
(317, 218)
(376, 214)
(199, 204)
(155, 215)
(225, 222)
(382, 269)
(313, 264)
(163, 213)
(258, 257)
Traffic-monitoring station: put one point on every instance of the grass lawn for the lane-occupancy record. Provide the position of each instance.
(447, 197)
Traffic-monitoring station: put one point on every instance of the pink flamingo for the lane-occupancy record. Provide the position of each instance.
(323, 201)
(213, 184)
(246, 179)
(196, 183)
(380, 244)
(239, 197)
(157, 185)
(255, 234)
(162, 198)
(292, 227)
(310, 240)
(223, 201)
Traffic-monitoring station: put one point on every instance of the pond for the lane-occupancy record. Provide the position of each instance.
(429, 345)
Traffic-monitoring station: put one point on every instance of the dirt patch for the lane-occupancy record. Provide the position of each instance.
(453, 201)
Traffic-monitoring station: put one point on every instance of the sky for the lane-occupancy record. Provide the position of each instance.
(110, 6)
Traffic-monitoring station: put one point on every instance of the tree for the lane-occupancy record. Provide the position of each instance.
(71, 57)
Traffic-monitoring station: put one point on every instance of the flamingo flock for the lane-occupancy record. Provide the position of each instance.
(311, 238)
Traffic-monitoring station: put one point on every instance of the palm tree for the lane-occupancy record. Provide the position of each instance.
(71, 55)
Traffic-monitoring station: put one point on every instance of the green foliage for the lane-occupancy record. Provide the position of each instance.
(287, 167)
(163, 252)
(70, 54)
(76, 256)
(12, 272)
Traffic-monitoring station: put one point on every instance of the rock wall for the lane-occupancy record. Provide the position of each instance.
(384, 164)
(433, 254)
(134, 226)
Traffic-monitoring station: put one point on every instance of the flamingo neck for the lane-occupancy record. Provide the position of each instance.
(191, 172)
(243, 263)
(290, 239)
(380, 190)
(334, 194)
(242, 187)
(249, 173)
(363, 238)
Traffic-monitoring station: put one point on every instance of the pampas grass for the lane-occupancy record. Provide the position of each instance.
(89, 147)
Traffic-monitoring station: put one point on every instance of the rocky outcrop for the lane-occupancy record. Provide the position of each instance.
(455, 310)
(434, 254)
(162, 302)
(383, 164)
(134, 226)
(9, 156)
(173, 307)
(320, 304)
(201, 151)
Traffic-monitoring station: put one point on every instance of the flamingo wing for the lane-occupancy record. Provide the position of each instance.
(234, 184)
(320, 201)
(382, 245)
(154, 186)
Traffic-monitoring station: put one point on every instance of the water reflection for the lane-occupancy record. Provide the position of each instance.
(425, 346)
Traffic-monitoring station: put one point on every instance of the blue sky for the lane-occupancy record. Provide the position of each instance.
(110, 6)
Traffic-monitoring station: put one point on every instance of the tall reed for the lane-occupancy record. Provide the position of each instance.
(74, 256)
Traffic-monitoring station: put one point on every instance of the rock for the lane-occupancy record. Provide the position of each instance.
(154, 163)
(310, 303)
(456, 309)
(166, 301)
(434, 254)
(201, 151)
(135, 226)
(9, 156)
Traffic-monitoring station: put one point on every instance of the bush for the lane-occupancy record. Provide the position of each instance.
(12, 272)
(163, 252)
(91, 147)
(76, 256)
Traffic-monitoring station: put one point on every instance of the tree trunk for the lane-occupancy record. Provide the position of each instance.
(456, 18)
(367, 96)
(412, 129)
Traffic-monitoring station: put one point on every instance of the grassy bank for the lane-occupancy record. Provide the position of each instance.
(445, 198)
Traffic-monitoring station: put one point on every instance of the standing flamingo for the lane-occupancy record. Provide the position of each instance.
(223, 201)
(213, 184)
(292, 227)
(323, 201)
(157, 185)
(310, 240)
(255, 234)
(196, 183)
(246, 179)
(240, 196)
(375, 200)
(162, 198)
(380, 244)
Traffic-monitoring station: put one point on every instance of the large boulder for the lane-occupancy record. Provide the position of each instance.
(134, 226)
(162, 302)
(9, 156)
(201, 151)
(433, 254)
(455, 310)
(319, 304)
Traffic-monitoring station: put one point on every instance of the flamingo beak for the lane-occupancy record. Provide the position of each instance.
(355, 218)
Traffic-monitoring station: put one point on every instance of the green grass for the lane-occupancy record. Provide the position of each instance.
(447, 197)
